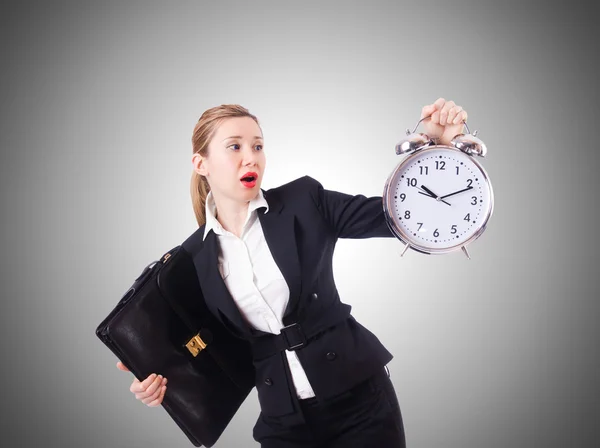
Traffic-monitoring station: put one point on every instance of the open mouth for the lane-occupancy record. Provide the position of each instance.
(249, 179)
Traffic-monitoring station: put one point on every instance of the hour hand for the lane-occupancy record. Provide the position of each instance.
(431, 194)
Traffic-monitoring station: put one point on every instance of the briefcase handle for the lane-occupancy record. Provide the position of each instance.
(146, 271)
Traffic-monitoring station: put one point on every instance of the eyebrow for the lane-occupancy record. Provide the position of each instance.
(239, 136)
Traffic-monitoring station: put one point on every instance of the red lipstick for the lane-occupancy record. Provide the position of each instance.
(249, 179)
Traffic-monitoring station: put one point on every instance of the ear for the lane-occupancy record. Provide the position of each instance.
(199, 165)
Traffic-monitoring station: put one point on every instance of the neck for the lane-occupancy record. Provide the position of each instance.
(231, 214)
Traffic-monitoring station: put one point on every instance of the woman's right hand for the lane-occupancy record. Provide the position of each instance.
(150, 391)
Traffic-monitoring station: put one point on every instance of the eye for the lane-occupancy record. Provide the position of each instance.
(237, 146)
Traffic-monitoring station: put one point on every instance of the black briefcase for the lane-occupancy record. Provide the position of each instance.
(162, 325)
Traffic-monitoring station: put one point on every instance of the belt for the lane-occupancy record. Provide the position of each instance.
(296, 336)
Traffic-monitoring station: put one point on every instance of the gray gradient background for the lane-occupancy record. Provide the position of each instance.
(99, 100)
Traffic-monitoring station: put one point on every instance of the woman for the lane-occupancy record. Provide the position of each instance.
(321, 377)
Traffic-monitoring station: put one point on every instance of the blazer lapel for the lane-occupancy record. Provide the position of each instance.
(215, 291)
(279, 229)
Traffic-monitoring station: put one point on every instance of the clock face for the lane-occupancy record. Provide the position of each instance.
(439, 199)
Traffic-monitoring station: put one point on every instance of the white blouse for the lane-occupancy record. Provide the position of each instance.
(254, 279)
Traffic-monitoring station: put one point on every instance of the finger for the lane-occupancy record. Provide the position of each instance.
(435, 117)
(439, 103)
(135, 386)
(121, 366)
(163, 391)
(157, 395)
(452, 113)
(460, 117)
(152, 397)
(138, 386)
(444, 112)
(159, 399)
(427, 110)
(150, 389)
(143, 385)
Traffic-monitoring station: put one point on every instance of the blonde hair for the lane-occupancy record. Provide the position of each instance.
(204, 130)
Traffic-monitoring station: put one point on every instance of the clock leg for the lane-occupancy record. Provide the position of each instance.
(464, 248)
(405, 249)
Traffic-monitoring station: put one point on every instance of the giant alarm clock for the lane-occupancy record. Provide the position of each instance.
(439, 198)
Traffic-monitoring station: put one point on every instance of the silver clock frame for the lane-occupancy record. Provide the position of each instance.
(424, 144)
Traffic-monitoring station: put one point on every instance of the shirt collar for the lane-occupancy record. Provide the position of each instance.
(210, 210)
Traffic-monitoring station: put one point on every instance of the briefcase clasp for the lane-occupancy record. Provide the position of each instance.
(195, 345)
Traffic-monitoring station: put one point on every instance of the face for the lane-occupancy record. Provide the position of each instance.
(235, 151)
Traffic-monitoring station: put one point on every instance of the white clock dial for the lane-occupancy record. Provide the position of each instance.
(439, 198)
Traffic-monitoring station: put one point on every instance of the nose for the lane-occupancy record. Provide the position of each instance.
(250, 156)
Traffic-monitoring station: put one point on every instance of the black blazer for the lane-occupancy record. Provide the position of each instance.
(301, 228)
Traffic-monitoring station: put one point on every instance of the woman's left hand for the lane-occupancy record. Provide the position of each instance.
(446, 120)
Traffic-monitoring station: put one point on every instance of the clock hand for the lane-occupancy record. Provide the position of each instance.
(426, 194)
(456, 192)
(433, 195)
(429, 196)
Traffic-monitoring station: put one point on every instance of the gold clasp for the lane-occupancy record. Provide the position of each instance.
(195, 345)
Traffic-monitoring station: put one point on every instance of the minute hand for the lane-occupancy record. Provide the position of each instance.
(456, 192)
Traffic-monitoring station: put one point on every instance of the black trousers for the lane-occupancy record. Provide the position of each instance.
(366, 416)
